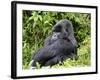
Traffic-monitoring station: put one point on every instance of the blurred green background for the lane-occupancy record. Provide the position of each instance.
(37, 26)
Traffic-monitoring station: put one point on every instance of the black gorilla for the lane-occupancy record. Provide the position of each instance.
(57, 47)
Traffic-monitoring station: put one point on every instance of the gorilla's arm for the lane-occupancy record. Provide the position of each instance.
(53, 53)
(43, 55)
(53, 61)
(57, 59)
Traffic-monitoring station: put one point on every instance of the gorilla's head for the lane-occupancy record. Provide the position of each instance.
(62, 29)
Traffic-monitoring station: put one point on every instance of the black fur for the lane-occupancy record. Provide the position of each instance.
(57, 47)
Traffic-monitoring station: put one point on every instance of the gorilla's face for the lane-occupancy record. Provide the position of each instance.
(62, 29)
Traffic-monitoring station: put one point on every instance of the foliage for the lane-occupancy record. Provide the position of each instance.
(37, 26)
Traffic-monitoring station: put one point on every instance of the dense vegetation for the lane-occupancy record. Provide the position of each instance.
(37, 26)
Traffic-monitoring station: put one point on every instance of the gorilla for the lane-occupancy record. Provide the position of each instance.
(58, 47)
